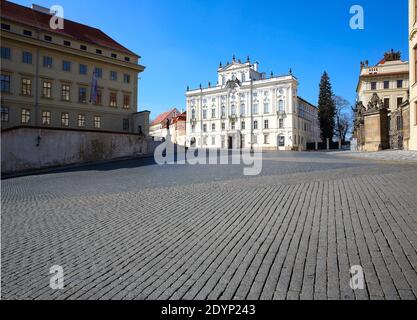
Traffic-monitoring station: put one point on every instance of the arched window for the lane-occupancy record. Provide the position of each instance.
(223, 111)
(233, 110)
(193, 114)
(266, 106)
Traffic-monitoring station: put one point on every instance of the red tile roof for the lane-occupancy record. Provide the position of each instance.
(74, 30)
(164, 116)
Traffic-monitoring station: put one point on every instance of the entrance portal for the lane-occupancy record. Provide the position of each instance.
(230, 143)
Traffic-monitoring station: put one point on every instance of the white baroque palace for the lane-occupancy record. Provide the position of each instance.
(248, 110)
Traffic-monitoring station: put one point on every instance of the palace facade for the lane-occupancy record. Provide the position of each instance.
(246, 109)
(382, 109)
(47, 75)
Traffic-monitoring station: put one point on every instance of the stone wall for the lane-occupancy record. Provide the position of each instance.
(26, 148)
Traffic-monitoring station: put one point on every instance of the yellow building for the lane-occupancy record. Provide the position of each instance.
(47, 75)
(413, 73)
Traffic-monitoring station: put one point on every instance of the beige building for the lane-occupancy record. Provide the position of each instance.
(413, 73)
(158, 128)
(382, 111)
(47, 75)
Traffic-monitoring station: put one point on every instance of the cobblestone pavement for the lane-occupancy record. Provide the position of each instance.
(134, 230)
(391, 155)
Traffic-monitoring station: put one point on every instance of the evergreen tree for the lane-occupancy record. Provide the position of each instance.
(327, 108)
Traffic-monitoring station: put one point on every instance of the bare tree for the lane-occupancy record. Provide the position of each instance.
(343, 117)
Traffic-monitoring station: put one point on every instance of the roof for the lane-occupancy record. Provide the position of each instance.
(181, 117)
(164, 116)
(74, 30)
(305, 101)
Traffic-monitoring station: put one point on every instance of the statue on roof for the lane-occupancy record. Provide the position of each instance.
(392, 56)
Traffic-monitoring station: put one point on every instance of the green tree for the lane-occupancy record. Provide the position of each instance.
(327, 108)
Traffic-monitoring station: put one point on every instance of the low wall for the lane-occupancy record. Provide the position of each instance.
(26, 148)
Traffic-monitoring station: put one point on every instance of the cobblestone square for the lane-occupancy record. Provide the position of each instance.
(135, 230)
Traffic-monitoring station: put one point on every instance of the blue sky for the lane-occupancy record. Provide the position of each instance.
(182, 41)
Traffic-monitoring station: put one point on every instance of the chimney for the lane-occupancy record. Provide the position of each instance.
(255, 66)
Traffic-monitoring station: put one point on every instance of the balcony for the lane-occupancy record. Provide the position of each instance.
(281, 113)
(233, 116)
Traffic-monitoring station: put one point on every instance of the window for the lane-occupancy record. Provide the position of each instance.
(65, 92)
(113, 75)
(6, 53)
(399, 84)
(281, 106)
(255, 139)
(98, 72)
(66, 65)
(26, 87)
(27, 33)
(46, 118)
(83, 69)
(205, 114)
(281, 141)
(233, 110)
(4, 83)
(213, 140)
(25, 116)
(399, 102)
(213, 127)
(281, 123)
(266, 124)
(113, 55)
(193, 128)
(5, 26)
(4, 114)
(223, 126)
(126, 124)
(98, 51)
(386, 84)
(243, 125)
(82, 95)
(65, 119)
(27, 57)
(373, 85)
(47, 62)
(126, 101)
(255, 125)
(127, 59)
(47, 89)
(387, 103)
(223, 111)
(213, 113)
(242, 110)
(233, 125)
(67, 43)
(266, 107)
(204, 128)
(97, 122)
(126, 78)
(113, 99)
(255, 108)
(266, 139)
(243, 77)
(99, 99)
(81, 120)
(193, 114)
(47, 38)
(83, 47)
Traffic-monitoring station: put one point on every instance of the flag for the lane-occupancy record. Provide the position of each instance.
(93, 93)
